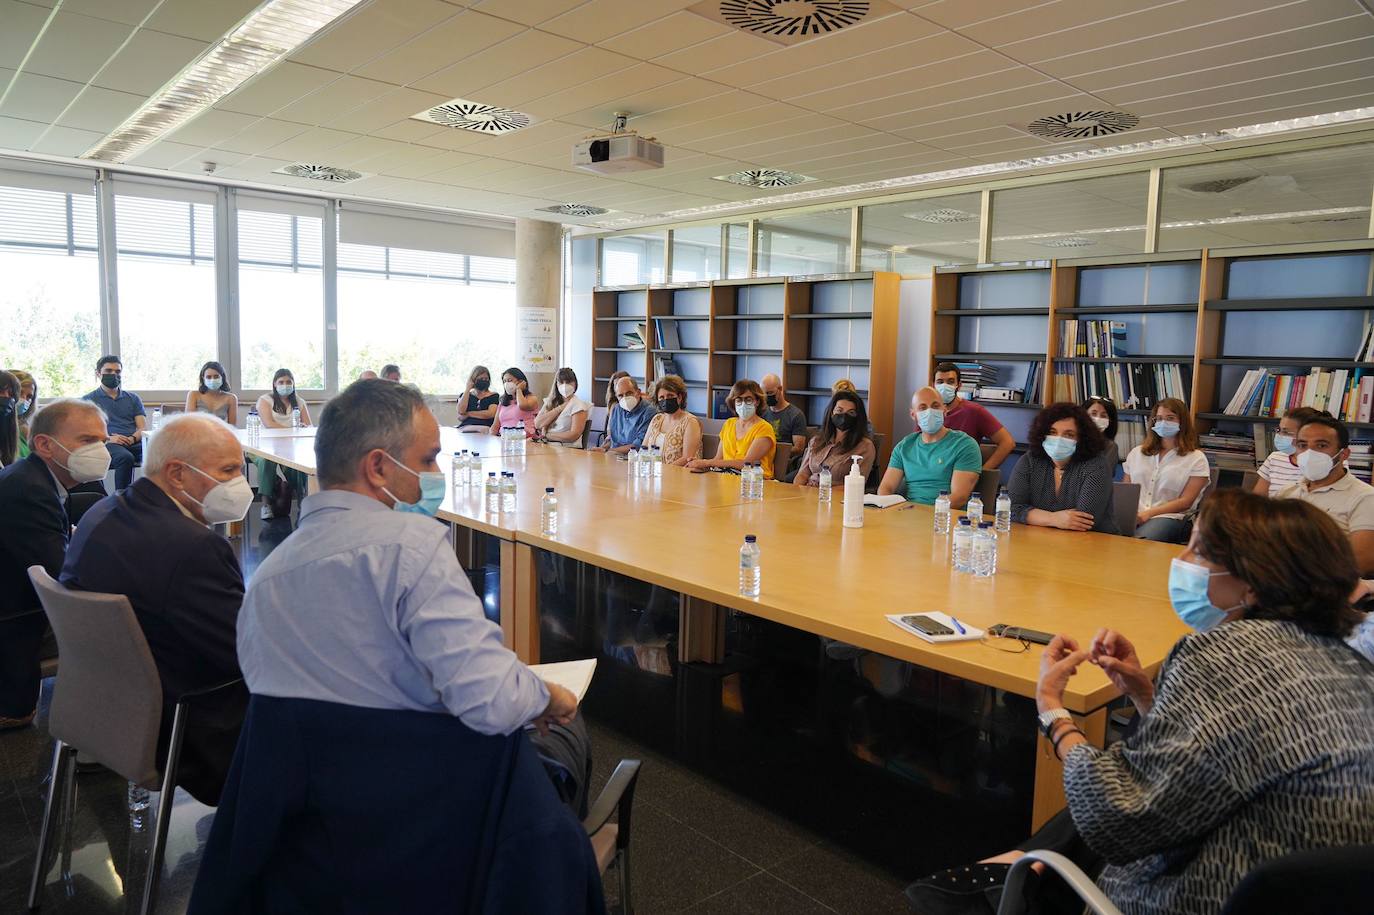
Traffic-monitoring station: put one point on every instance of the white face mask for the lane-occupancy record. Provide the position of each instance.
(1315, 465)
(567, 389)
(227, 501)
(629, 402)
(87, 463)
(744, 409)
(1101, 422)
(510, 387)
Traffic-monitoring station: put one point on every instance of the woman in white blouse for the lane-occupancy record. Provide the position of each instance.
(564, 414)
(1171, 471)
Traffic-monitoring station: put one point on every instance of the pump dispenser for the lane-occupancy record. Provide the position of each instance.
(854, 495)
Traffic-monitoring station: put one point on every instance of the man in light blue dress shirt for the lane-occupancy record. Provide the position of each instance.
(365, 603)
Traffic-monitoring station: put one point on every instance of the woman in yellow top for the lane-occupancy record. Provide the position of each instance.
(746, 438)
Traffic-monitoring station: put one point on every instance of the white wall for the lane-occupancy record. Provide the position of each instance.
(913, 350)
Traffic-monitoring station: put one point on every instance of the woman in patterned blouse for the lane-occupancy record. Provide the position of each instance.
(1064, 480)
(1256, 740)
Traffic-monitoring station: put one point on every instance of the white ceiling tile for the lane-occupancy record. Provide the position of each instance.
(212, 127)
(222, 158)
(609, 93)
(198, 19)
(165, 155)
(467, 77)
(1314, 83)
(129, 12)
(276, 88)
(355, 152)
(1052, 18)
(528, 12)
(329, 101)
(262, 134)
(408, 130)
(577, 68)
(66, 141)
(22, 23)
(641, 103)
(386, 109)
(439, 47)
(100, 109)
(883, 92)
(597, 20)
(148, 62)
(18, 134)
(728, 49)
(849, 45)
(314, 145)
(369, 31)
(74, 47)
(38, 98)
(666, 35)
(428, 161)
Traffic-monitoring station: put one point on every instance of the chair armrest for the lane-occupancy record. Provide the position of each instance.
(193, 695)
(618, 794)
(1012, 893)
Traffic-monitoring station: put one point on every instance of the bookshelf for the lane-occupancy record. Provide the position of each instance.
(808, 330)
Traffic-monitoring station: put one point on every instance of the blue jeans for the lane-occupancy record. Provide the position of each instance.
(1164, 530)
(123, 458)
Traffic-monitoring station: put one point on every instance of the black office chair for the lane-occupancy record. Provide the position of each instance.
(1318, 881)
(79, 502)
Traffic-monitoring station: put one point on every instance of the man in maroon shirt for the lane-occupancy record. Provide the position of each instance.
(972, 418)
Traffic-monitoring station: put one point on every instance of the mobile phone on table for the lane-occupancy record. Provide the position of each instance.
(927, 624)
(1003, 631)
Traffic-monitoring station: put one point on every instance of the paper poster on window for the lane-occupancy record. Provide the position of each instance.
(538, 338)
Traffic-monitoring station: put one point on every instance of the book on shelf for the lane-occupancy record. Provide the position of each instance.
(1366, 351)
(667, 332)
(1030, 391)
(666, 365)
(1361, 460)
(1092, 339)
(996, 395)
(635, 338)
(1346, 394)
(1129, 385)
(976, 373)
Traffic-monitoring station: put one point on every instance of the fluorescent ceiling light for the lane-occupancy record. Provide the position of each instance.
(265, 36)
(1247, 132)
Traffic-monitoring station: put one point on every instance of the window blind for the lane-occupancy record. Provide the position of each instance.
(47, 220)
(161, 228)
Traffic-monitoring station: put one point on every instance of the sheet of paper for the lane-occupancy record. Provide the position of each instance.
(970, 633)
(574, 676)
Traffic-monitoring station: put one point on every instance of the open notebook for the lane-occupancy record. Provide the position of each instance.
(574, 676)
(883, 501)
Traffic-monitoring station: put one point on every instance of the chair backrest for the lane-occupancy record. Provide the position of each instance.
(78, 503)
(1248, 481)
(875, 474)
(1125, 507)
(988, 481)
(987, 450)
(107, 701)
(1311, 882)
(782, 454)
(596, 426)
(710, 426)
(710, 444)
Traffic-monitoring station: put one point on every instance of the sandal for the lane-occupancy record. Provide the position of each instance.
(973, 889)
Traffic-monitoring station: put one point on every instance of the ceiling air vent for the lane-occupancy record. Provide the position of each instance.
(1219, 185)
(765, 177)
(319, 172)
(792, 21)
(475, 116)
(575, 209)
(1068, 241)
(943, 216)
(1079, 125)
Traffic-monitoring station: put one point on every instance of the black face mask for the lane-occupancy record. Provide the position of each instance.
(843, 421)
(6, 407)
(772, 400)
(483, 383)
(110, 381)
(668, 405)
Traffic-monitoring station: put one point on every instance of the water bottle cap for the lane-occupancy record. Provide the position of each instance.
(984, 525)
(548, 489)
(1002, 490)
(750, 538)
(492, 474)
(944, 492)
(965, 522)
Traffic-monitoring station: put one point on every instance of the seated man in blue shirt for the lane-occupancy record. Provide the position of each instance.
(123, 415)
(629, 417)
(933, 457)
(365, 604)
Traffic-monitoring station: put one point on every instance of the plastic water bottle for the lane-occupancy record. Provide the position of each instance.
(658, 461)
(139, 801)
(1003, 516)
(992, 542)
(548, 512)
(942, 513)
(758, 482)
(508, 492)
(963, 546)
(974, 509)
(824, 485)
(633, 458)
(746, 483)
(457, 470)
(518, 437)
(492, 492)
(474, 469)
(646, 462)
(254, 426)
(984, 543)
(157, 417)
(750, 570)
(295, 417)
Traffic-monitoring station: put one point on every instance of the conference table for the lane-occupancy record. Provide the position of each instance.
(682, 531)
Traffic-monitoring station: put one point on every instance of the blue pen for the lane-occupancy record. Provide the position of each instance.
(958, 625)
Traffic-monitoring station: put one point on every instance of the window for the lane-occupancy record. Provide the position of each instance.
(281, 298)
(166, 271)
(737, 250)
(916, 235)
(696, 254)
(49, 286)
(434, 314)
(805, 244)
(1314, 195)
(628, 260)
(1087, 218)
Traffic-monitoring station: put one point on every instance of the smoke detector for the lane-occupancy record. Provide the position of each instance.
(316, 172)
(478, 117)
(943, 216)
(1079, 125)
(575, 209)
(764, 177)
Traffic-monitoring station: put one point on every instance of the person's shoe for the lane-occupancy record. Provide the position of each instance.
(267, 514)
(23, 721)
(975, 889)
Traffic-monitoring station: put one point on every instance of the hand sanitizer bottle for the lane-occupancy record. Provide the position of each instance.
(854, 495)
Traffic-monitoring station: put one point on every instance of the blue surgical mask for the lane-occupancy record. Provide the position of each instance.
(1188, 584)
(930, 421)
(22, 406)
(1165, 428)
(286, 390)
(947, 392)
(431, 491)
(1059, 448)
(745, 409)
(214, 384)
(1283, 444)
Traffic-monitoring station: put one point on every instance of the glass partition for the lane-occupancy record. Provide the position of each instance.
(1086, 218)
(696, 254)
(916, 235)
(809, 243)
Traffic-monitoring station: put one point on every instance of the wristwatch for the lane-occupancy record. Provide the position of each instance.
(1047, 719)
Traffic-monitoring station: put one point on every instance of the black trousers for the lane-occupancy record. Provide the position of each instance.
(21, 640)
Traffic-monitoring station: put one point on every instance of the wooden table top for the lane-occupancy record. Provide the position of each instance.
(684, 531)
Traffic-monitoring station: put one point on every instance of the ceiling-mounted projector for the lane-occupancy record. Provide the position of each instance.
(618, 151)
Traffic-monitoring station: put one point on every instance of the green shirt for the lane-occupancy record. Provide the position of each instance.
(929, 468)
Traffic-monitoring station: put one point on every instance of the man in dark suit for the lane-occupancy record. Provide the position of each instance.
(68, 447)
(152, 543)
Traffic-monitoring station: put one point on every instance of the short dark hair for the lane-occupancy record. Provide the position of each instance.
(389, 368)
(947, 367)
(224, 377)
(1106, 404)
(366, 415)
(1323, 418)
(1090, 440)
(1294, 557)
(106, 360)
